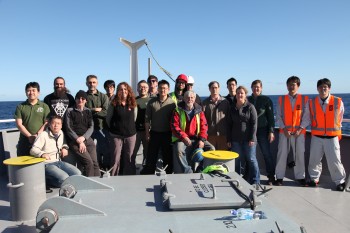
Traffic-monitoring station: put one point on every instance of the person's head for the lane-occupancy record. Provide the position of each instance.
(109, 86)
(124, 95)
(55, 124)
(214, 88)
(32, 90)
(180, 82)
(190, 83)
(59, 85)
(152, 81)
(241, 93)
(256, 87)
(189, 98)
(91, 83)
(80, 99)
(163, 88)
(142, 88)
(231, 86)
(324, 87)
(293, 84)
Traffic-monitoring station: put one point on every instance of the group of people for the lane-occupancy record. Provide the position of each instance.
(93, 130)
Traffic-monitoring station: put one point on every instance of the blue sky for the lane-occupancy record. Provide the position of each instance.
(210, 40)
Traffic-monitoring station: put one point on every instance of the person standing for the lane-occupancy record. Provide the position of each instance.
(109, 87)
(31, 118)
(189, 87)
(180, 88)
(326, 116)
(241, 136)
(141, 100)
(121, 118)
(60, 100)
(157, 129)
(266, 126)
(98, 103)
(79, 127)
(216, 109)
(51, 145)
(152, 81)
(231, 87)
(291, 121)
(189, 128)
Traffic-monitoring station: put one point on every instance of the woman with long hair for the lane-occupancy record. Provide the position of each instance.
(121, 118)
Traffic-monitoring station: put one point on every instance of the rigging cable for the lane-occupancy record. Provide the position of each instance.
(164, 70)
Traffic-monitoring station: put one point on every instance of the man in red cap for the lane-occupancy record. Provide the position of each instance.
(180, 88)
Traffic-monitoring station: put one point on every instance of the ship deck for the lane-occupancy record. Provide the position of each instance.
(320, 209)
(317, 209)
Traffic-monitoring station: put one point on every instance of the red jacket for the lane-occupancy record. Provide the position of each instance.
(191, 127)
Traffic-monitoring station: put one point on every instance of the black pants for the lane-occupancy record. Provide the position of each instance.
(159, 141)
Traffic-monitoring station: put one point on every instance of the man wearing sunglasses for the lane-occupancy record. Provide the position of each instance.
(152, 81)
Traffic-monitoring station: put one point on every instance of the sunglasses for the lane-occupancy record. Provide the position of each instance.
(152, 81)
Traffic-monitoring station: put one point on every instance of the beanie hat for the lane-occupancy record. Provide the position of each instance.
(81, 94)
(182, 78)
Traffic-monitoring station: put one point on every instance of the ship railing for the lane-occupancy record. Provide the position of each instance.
(13, 120)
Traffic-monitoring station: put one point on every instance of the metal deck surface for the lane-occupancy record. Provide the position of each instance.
(320, 209)
(317, 209)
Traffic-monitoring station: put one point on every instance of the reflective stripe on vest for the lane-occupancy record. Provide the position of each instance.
(292, 117)
(173, 97)
(325, 123)
(183, 122)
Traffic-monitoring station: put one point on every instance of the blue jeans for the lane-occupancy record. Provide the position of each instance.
(182, 155)
(263, 141)
(57, 172)
(247, 154)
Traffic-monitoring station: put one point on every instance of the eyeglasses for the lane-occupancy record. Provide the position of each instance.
(152, 81)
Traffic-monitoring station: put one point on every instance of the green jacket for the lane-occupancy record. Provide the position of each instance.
(264, 109)
(98, 100)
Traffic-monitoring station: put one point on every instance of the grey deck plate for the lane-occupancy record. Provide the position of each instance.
(135, 205)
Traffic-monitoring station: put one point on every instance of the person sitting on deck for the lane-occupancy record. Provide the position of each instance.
(52, 146)
(189, 128)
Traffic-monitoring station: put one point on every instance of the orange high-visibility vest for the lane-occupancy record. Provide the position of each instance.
(292, 117)
(325, 123)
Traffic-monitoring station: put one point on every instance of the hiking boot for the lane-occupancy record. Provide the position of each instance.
(271, 180)
(341, 187)
(302, 182)
(278, 182)
(312, 183)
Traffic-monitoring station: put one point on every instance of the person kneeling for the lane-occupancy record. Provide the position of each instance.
(189, 128)
(50, 144)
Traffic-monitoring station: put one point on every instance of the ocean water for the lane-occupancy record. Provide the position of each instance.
(7, 110)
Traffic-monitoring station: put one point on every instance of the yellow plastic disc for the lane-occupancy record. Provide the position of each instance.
(23, 160)
(220, 154)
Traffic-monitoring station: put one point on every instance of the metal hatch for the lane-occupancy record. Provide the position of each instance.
(206, 191)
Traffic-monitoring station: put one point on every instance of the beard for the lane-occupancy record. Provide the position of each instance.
(189, 105)
(60, 91)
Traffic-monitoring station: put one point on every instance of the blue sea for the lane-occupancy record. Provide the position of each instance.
(7, 110)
